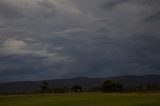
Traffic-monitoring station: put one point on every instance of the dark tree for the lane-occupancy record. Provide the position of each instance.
(44, 87)
(109, 86)
(152, 87)
(118, 87)
(77, 88)
(140, 88)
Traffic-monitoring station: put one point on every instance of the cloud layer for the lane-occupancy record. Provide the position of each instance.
(47, 39)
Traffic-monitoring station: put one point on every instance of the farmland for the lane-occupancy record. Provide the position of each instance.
(88, 99)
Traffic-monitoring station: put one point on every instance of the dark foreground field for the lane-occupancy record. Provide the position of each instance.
(82, 100)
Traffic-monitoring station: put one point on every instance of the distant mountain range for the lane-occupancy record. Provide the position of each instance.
(32, 86)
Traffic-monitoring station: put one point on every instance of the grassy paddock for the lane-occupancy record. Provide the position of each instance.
(97, 99)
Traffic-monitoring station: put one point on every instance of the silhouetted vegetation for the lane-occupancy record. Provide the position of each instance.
(109, 86)
(77, 88)
(44, 87)
(144, 88)
(88, 85)
(61, 90)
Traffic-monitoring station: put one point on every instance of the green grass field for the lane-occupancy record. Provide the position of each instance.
(82, 100)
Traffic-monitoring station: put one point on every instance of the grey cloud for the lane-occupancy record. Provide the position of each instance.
(153, 18)
(9, 11)
(66, 39)
(47, 8)
(113, 4)
(46, 4)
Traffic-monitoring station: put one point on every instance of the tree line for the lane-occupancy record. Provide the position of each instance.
(44, 88)
(107, 86)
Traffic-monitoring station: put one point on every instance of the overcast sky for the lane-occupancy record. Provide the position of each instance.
(49, 39)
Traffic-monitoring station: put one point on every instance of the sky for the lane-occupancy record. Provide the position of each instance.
(53, 39)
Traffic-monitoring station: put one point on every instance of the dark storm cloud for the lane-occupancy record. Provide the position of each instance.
(8, 11)
(153, 18)
(48, 9)
(113, 4)
(48, 39)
